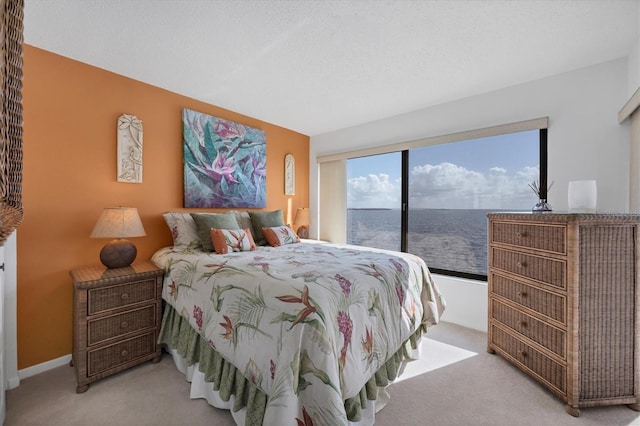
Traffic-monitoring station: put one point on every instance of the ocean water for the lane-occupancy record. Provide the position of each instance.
(452, 239)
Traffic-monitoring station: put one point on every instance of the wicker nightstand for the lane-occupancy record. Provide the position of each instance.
(116, 319)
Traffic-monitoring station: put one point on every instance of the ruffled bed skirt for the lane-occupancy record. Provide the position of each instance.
(223, 386)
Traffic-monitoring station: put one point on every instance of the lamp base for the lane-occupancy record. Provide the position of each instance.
(118, 253)
(303, 232)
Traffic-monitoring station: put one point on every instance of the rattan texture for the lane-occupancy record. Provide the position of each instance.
(538, 364)
(103, 329)
(11, 40)
(106, 299)
(546, 303)
(607, 367)
(563, 303)
(117, 315)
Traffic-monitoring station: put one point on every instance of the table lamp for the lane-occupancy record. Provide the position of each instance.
(302, 221)
(118, 223)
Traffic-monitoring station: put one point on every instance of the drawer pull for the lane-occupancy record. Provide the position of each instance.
(521, 264)
(521, 234)
(523, 323)
(522, 294)
(522, 353)
(124, 324)
(124, 353)
(124, 296)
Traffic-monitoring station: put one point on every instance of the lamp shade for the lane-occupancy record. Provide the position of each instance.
(118, 222)
(302, 217)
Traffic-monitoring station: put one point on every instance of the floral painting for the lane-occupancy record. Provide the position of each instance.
(224, 163)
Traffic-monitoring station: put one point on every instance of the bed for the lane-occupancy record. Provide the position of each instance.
(301, 333)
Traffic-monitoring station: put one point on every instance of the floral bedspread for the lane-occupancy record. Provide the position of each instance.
(308, 323)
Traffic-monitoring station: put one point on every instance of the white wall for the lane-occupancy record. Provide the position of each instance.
(634, 66)
(585, 141)
(10, 312)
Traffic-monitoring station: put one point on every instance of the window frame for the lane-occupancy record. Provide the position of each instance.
(540, 124)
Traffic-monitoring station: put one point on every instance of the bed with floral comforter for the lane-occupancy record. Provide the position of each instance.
(298, 334)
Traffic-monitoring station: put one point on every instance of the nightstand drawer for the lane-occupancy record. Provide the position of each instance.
(549, 271)
(103, 359)
(550, 337)
(542, 366)
(550, 238)
(107, 298)
(107, 328)
(545, 302)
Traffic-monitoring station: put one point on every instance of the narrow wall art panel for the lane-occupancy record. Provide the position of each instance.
(129, 149)
(224, 163)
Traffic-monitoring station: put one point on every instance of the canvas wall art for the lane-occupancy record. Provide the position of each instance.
(224, 163)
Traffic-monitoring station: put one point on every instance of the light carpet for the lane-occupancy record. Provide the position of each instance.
(456, 382)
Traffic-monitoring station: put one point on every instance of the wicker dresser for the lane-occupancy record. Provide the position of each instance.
(116, 319)
(563, 303)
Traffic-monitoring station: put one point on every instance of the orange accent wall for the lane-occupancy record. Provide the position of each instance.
(69, 175)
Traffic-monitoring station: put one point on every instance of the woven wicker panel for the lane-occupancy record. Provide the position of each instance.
(544, 302)
(548, 271)
(122, 353)
(105, 299)
(549, 337)
(11, 29)
(607, 280)
(541, 237)
(117, 325)
(541, 365)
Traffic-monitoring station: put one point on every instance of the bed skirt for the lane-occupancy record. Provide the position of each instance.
(223, 386)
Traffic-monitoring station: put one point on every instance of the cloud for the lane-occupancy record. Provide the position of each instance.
(373, 191)
(447, 186)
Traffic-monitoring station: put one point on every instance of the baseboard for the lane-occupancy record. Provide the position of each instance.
(13, 382)
(466, 301)
(45, 366)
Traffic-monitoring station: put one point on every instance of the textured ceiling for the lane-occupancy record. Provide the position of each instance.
(318, 66)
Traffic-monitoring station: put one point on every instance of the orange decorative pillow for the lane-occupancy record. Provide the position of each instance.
(226, 240)
(280, 235)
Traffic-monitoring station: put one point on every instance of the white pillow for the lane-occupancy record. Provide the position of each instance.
(183, 229)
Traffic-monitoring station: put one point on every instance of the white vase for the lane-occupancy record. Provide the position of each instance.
(583, 196)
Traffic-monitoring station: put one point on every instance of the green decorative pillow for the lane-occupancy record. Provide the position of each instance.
(243, 218)
(261, 220)
(206, 221)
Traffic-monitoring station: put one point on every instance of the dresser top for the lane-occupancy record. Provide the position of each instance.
(564, 217)
(91, 274)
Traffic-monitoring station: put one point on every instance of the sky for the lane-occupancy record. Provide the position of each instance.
(487, 173)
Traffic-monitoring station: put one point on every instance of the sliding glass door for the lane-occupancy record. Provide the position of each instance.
(374, 200)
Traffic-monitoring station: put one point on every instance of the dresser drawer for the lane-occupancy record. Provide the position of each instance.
(549, 271)
(539, 364)
(107, 298)
(550, 238)
(546, 303)
(107, 328)
(550, 337)
(103, 359)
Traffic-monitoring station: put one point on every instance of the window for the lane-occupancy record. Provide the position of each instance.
(373, 201)
(447, 189)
